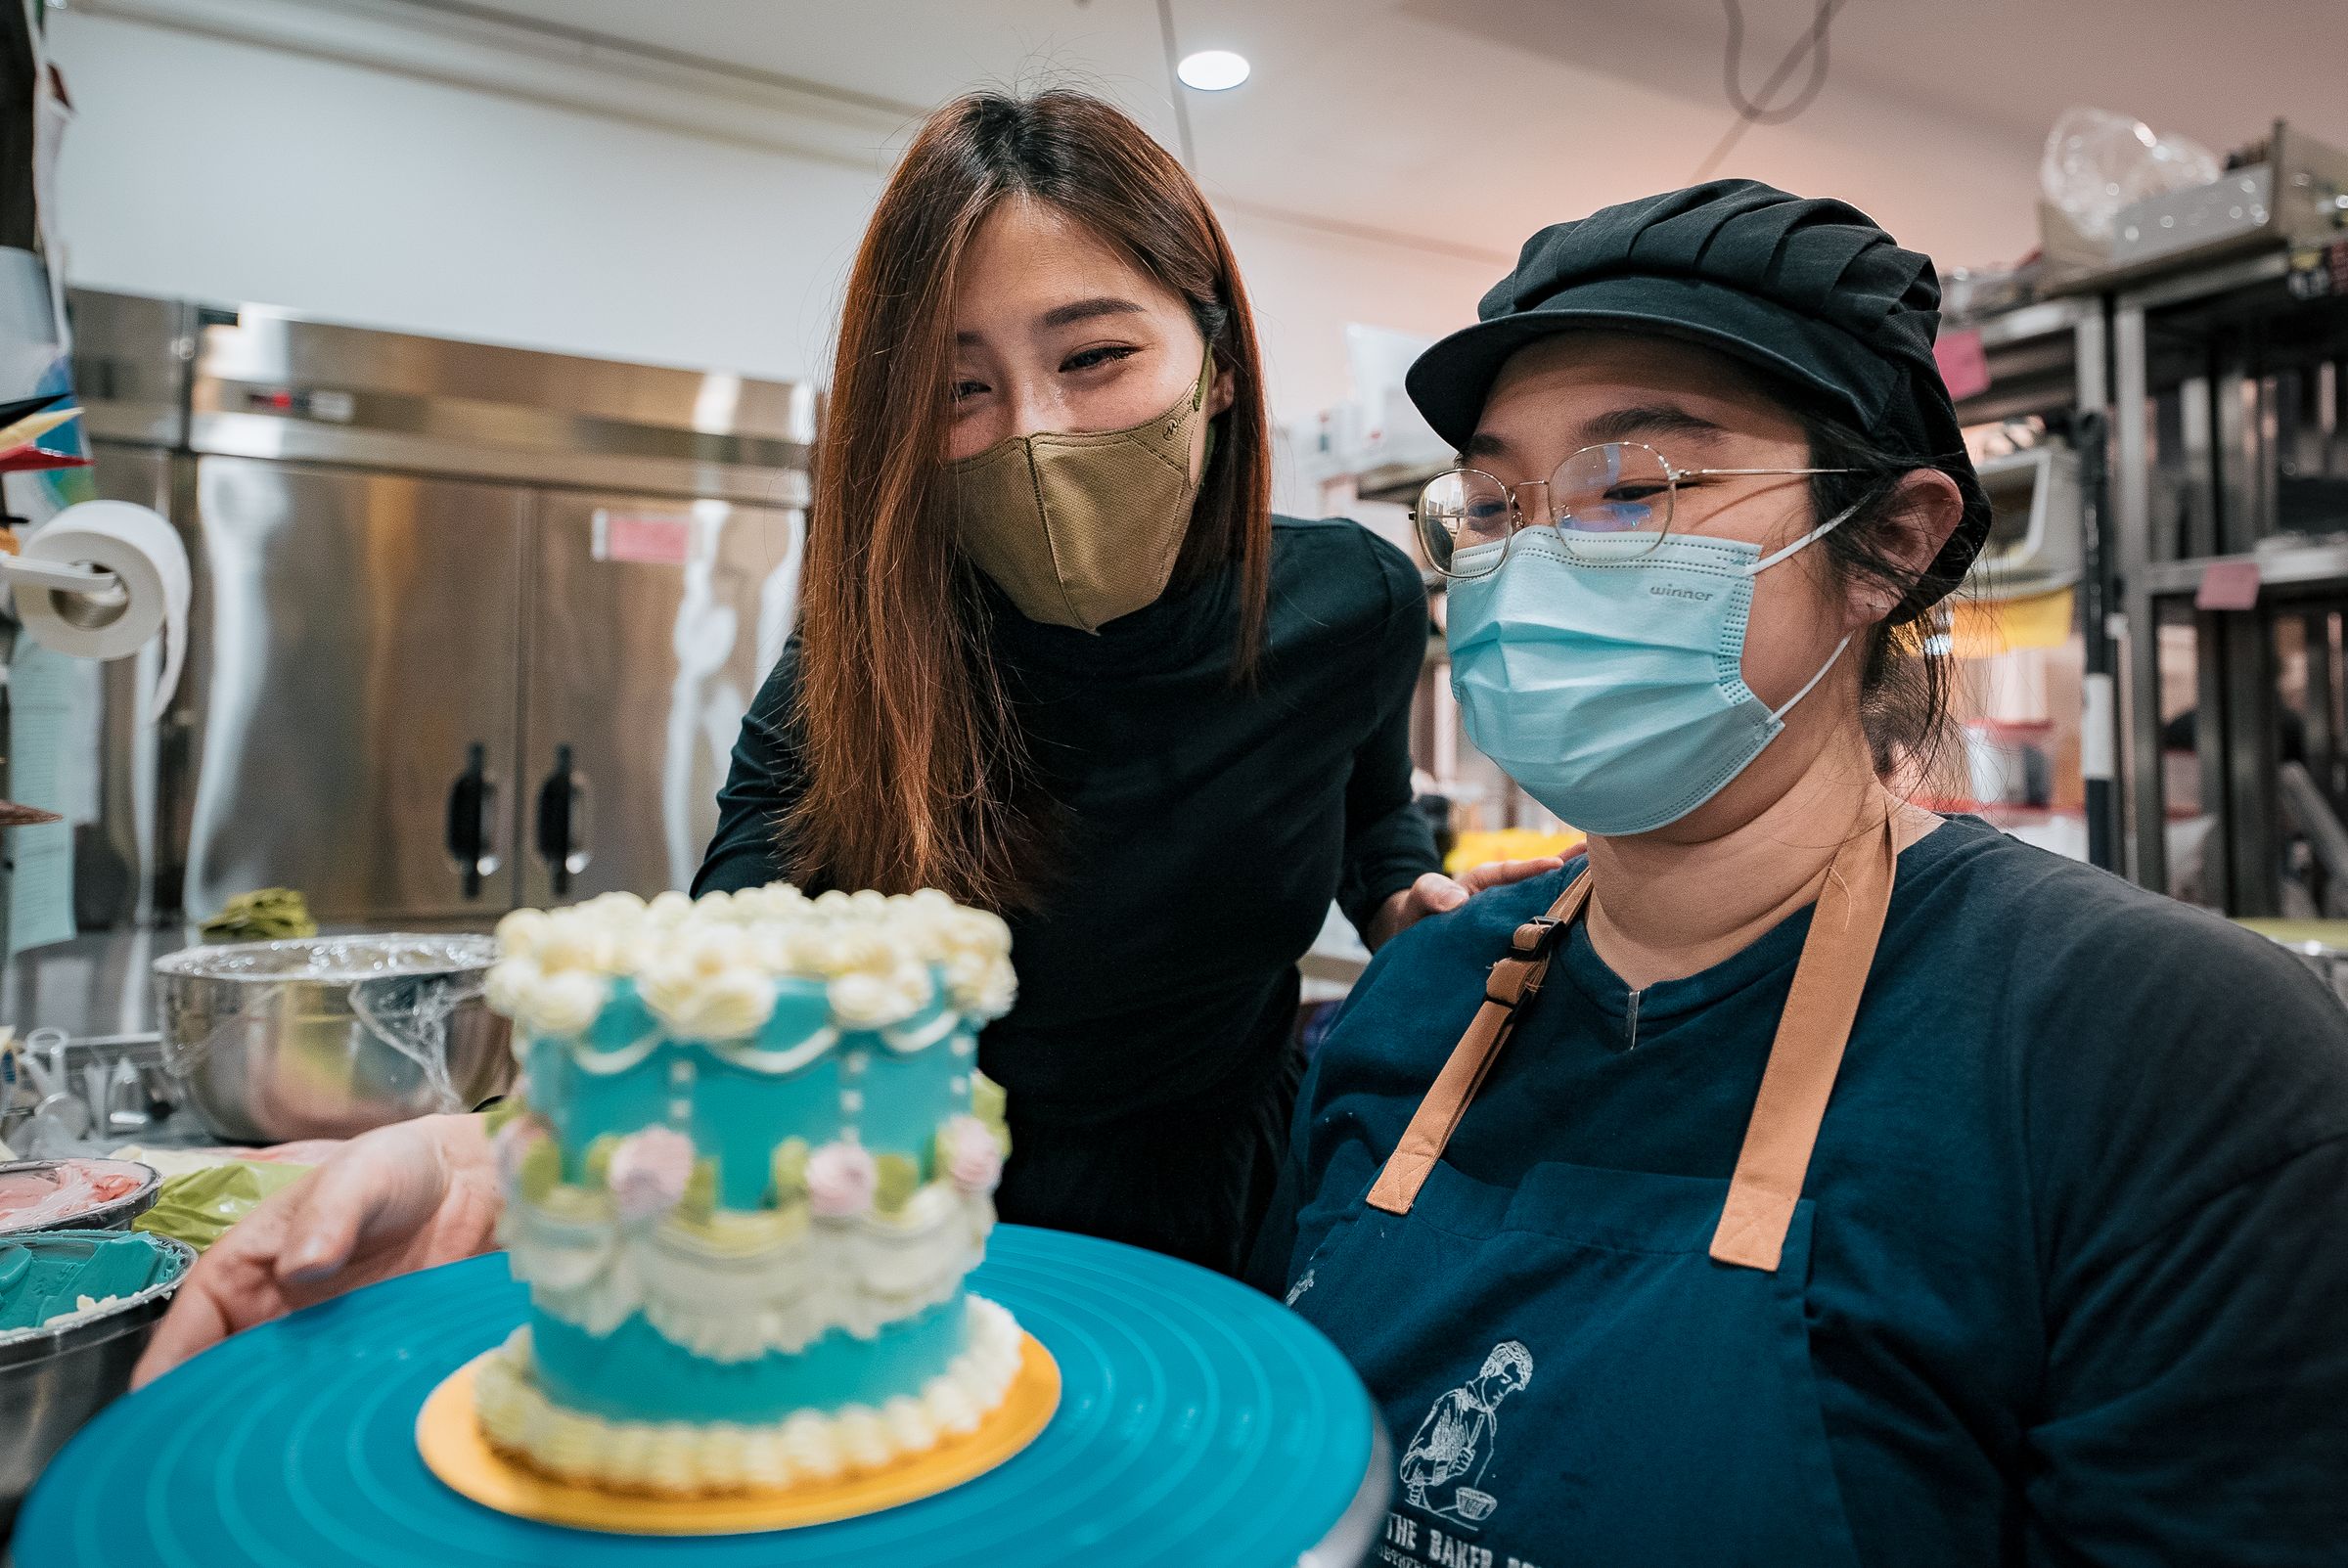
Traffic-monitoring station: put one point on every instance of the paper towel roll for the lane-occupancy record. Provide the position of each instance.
(140, 547)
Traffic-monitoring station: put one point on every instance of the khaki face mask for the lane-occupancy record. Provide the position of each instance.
(1081, 529)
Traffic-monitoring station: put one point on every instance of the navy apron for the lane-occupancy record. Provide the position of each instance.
(1597, 1366)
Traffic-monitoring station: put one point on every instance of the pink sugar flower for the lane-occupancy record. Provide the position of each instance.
(841, 1180)
(648, 1171)
(974, 1160)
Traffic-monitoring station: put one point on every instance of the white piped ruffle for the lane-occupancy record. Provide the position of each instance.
(687, 1458)
(784, 1281)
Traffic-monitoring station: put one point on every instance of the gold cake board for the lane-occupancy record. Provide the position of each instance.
(449, 1437)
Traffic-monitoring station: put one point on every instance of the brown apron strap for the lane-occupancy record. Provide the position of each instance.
(1512, 980)
(1803, 1058)
(1807, 1053)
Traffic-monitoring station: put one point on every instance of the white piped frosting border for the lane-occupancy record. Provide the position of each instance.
(708, 967)
(684, 1459)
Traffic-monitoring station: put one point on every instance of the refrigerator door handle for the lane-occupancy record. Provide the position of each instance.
(564, 815)
(472, 806)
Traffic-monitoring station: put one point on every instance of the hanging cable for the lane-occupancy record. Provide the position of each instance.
(1182, 107)
(1757, 110)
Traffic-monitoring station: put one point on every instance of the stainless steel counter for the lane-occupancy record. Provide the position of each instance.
(95, 984)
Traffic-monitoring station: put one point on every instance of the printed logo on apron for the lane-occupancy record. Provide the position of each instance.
(1296, 1291)
(1449, 1458)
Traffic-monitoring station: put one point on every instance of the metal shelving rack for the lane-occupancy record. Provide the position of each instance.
(2231, 459)
(2049, 359)
(2207, 396)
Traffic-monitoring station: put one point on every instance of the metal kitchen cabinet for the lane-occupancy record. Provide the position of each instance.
(421, 569)
(653, 621)
(354, 660)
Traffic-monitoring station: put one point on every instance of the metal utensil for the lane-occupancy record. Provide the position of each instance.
(94, 1092)
(52, 1381)
(127, 1099)
(56, 1117)
(325, 1037)
(42, 1056)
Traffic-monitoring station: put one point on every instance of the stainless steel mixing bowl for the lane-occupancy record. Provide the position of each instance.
(52, 1381)
(329, 1036)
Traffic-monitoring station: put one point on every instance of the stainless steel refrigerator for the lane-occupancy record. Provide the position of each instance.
(472, 626)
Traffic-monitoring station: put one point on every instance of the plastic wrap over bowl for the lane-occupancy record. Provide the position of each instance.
(329, 1036)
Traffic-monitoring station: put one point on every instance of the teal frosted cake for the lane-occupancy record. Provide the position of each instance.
(751, 1164)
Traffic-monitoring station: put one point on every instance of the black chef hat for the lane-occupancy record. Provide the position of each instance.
(1810, 291)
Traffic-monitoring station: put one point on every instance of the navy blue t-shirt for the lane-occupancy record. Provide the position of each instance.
(2079, 1287)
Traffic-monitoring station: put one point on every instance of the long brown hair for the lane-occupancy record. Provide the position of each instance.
(916, 775)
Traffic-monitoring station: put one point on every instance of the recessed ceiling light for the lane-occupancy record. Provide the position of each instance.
(1212, 70)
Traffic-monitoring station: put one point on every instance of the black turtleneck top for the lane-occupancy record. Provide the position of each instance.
(1206, 825)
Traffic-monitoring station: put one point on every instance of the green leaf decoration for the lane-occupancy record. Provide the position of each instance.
(541, 1170)
(897, 1179)
(598, 1163)
(987, 1103)
(791, 1173)
(700, 1191)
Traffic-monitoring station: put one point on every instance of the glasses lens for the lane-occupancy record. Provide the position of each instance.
(1459, 511)
(1619, 488)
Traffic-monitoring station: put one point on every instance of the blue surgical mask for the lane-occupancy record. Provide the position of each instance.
(1608, 680)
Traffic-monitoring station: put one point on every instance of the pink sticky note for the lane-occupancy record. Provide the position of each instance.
(655, 540)
(2228, 585)
(1963, 364)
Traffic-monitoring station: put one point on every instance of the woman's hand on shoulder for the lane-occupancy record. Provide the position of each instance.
(1436, 893)
(387, 1202)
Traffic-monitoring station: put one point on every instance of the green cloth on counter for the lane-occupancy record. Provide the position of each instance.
(2322, 933)
(198, 1207)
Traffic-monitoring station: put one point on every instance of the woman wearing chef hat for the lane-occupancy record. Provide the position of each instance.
(1058, 658)
(1834, 1184)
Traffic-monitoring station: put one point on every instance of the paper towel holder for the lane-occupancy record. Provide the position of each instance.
(89, 582)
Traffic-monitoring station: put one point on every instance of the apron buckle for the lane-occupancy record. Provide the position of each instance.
(1535, 937)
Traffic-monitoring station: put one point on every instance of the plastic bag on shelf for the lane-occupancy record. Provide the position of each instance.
(2096, 162)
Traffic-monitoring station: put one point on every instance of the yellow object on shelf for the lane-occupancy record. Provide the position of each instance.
(1983, 628)
(1485, 847)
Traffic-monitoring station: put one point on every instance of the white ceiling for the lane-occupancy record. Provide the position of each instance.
(1465, 124)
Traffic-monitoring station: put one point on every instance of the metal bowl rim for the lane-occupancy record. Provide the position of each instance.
(127, 1316)
(185, 964)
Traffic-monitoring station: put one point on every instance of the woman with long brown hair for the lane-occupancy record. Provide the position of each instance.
(1056, 658)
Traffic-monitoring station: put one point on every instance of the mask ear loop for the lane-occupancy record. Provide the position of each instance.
(1778, 715)
(1765, 563)
(1805, 541)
